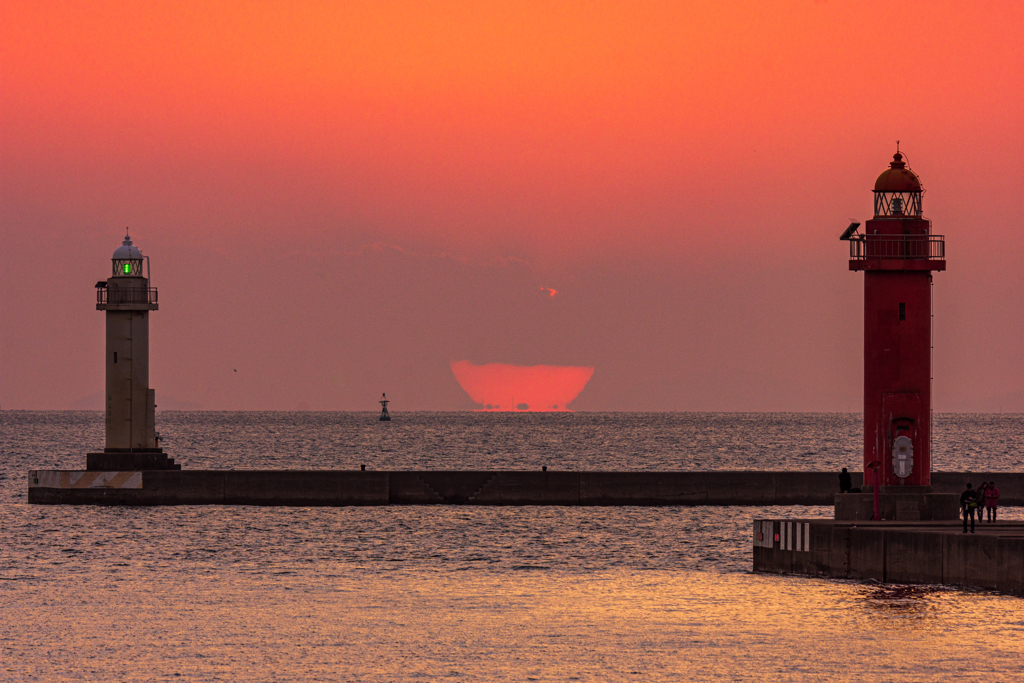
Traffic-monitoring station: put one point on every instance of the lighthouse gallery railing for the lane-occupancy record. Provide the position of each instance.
(126, 295)
(931, 247)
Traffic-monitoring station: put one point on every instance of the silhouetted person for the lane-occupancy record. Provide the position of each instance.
(845, 481)
(968, 500)
(991, 501)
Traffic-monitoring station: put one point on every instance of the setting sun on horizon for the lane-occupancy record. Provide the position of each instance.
(503, 387)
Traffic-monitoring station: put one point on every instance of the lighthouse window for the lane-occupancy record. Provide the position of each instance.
(115, 356)
(903, 311)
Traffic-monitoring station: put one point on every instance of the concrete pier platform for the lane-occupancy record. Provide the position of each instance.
(926, 552)
(446, 487)
(898, 506)
(339, 487)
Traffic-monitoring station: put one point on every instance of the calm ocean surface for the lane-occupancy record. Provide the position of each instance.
(469, 593)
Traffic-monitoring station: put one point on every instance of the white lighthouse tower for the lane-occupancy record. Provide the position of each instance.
(127, 297)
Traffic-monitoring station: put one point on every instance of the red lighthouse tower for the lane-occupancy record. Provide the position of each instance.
(897, 253)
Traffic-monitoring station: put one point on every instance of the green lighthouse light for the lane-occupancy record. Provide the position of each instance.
(127, 268)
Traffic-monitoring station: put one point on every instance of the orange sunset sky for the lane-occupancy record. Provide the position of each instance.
(341, 199)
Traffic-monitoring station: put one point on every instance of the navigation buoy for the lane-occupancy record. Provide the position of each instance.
(384, 417)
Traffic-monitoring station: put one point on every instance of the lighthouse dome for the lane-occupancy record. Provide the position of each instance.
(127, 250)
(127, 259)
(898, 178)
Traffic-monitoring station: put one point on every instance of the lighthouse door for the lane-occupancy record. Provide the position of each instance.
(902, 456)
(902, 418)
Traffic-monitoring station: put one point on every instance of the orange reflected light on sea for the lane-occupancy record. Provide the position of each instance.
(612, 625)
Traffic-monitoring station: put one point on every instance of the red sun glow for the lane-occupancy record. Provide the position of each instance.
(503, 387)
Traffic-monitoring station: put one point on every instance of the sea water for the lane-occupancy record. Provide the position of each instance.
(206, 593)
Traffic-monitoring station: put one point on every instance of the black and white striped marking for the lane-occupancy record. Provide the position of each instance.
(790, 535)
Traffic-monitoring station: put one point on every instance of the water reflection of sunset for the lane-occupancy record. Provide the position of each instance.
(498, 386)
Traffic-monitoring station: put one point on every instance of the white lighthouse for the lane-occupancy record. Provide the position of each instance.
(127, 298)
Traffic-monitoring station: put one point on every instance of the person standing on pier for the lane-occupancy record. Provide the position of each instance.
(845, 481)
(991, 501)
(968, 500)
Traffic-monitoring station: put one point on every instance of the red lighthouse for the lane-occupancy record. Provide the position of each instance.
(897, 253)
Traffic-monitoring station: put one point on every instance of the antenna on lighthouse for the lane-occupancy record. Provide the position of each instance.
(384, 417)
(848, 233)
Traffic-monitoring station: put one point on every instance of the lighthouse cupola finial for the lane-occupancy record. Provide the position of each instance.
(127, 259)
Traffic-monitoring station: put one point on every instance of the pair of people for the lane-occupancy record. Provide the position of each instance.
(988, 495)
(971, 501)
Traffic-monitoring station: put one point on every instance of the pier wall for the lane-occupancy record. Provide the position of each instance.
(334, 487)
(486, 487)
(891, 552)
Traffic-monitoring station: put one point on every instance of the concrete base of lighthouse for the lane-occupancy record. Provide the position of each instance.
(112, 460)
(918, 504)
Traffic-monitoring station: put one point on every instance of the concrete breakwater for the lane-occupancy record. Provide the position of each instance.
(894, 552)
(348, 487)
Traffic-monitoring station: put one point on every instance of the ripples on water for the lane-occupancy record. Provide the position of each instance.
(465, 440)
(468, 593)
